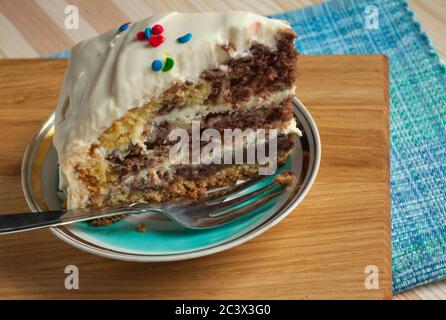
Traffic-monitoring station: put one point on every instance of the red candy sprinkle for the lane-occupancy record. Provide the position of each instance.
(141, 36)
(157, 29)
(155, 41)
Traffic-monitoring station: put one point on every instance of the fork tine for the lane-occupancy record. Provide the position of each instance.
(238, 188)
(217, 209)
(220, 219)
(210, 206)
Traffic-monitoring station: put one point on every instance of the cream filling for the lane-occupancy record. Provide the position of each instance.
(198, 112)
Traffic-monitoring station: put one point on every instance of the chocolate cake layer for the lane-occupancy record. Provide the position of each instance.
(274, 116)
(263, 71)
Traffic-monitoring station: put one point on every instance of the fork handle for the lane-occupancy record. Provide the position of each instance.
(17, 222)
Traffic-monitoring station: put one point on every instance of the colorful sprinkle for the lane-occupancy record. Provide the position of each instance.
(124, 27)
(168, 64)
(148, 32)
(185, 38)
(254, 27)
(140, 36)
(155, 41)
(157, 29)
(157, 65)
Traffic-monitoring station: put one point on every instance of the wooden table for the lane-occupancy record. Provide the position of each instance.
(35, 28)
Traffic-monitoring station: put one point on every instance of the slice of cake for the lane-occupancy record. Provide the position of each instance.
(135, 99)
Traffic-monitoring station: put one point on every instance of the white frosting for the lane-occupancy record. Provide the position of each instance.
(111, 73)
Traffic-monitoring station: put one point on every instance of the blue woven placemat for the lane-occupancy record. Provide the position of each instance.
(417, 116)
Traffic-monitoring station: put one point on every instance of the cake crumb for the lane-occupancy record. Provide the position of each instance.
(285, 178)
(141, 227)
(103, 222)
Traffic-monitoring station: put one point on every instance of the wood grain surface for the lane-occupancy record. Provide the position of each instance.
(320, 251)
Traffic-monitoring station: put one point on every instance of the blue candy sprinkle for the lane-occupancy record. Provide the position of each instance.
(124, 27)
(157, 65)
(148, 32)
(185, 38)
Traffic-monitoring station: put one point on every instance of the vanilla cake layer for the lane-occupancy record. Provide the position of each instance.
(115, 111)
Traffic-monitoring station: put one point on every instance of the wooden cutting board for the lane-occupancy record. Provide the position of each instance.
(324, 249)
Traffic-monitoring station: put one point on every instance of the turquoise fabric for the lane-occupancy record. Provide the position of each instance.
(417, 116)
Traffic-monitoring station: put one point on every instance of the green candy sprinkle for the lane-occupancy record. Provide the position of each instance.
(168, 64)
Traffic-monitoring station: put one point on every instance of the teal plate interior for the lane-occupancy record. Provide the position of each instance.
(164, 239)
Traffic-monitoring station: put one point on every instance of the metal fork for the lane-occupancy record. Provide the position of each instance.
(206, 213)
